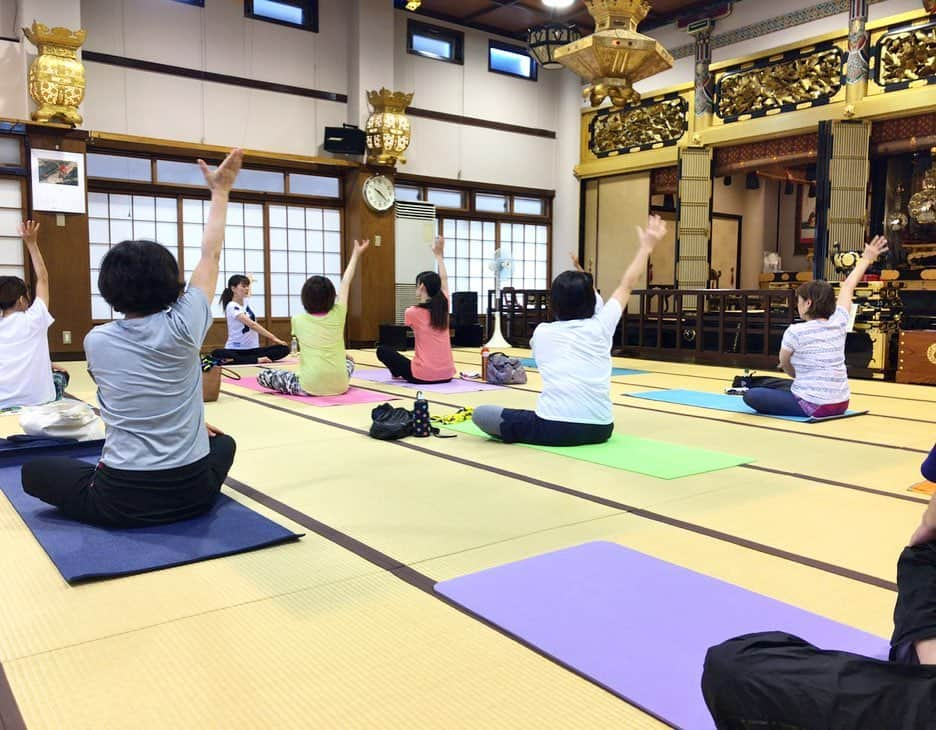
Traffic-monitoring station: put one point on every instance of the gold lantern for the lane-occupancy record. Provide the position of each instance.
(387, 128)
(56, 76)
(615, 55)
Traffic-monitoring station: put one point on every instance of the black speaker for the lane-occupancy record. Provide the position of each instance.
(468, 335)
(393, 335)
(464, 308)
(348, 140)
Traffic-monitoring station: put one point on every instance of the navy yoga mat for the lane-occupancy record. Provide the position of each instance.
(719, 402)
(634, 624)
(529, 362)
(82, 552)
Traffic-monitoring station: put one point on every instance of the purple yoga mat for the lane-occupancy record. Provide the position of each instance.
(457, 385)
(635, 624)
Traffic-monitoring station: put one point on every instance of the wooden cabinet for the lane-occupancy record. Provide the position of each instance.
(916, 361)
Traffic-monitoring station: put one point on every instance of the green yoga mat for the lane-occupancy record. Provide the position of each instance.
(643, 456)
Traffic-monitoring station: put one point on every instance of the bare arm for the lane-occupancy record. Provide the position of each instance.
(786, 364)
(438, 250)
(351, 270)
(220, 181)
(874, 249)
(575, 261)
(259, 329)
(648, 238)
(29, 231)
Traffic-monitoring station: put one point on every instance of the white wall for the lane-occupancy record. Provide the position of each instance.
(750, 12)
(445, 149)
(219, 39)
(758, 209)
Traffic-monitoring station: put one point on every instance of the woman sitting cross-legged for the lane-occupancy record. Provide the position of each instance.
(324, 367)
(161, 462)
(243, 341)
(813, 352)
(432, 361)
(573, 355)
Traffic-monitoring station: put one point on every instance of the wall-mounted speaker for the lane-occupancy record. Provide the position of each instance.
(346, 140)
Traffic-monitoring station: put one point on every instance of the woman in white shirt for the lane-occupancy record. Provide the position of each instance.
(27, 375)
(243, 341)
(573, 355)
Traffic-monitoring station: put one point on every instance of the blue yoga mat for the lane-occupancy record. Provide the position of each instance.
(529, 362)
(83, 552)
(634, 624)
(719, 402)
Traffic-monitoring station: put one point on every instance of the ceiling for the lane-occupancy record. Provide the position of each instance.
(513, 17)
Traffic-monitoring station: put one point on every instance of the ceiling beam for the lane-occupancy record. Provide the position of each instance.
(498, 4)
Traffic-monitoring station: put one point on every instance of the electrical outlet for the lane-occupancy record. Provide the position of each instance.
(377, 241)
(66, 337)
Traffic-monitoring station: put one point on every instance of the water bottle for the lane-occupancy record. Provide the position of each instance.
(421, 416)
(293, 347)
(485, 354)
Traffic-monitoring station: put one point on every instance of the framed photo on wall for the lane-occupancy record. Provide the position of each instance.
(58, 181)
(805, 222)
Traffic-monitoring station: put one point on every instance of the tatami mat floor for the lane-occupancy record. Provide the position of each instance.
(342, 629)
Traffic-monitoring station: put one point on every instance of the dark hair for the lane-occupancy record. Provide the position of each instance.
(139, 277)
(822, 296)
(11, 289)
(228, 294)
(572, 295)
(437, 305)
(318, 295)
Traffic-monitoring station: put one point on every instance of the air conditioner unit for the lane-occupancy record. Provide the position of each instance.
(415, 231)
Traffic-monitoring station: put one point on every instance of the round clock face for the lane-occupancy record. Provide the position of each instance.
(379, 193)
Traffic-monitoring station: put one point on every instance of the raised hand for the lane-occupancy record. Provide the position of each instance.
(653, 233)
(222, 179)
(29, 232)
(360, 246)
(875, 248)
(575, 261)
(438, 247)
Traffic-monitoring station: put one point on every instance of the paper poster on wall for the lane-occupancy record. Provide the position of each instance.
(805, 222)
(58, 181)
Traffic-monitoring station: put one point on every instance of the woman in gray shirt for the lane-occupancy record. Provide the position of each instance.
(161, 462)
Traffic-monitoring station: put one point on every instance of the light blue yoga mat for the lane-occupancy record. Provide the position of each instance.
(719, 402)
(84, 552)
(635, 624)
(529, 362)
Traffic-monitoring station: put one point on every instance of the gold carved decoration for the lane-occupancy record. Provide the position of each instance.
(56, 76)
(639, 127)
(782, 86)
(387, 128)
(907, 56)
(922, 205)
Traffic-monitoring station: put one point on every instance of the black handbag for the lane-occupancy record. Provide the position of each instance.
(389, 423)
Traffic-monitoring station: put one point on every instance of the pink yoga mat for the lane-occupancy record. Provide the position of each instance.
(352, 397)
(456, 385)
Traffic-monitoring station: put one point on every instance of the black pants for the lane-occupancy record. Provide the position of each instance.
(250, 357)
(775, 681)
(400, 366)
(522, 426)
(110, 497)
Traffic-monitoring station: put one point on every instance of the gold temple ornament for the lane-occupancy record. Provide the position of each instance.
(908, 56)
(642, 127)
(780, 86)
(615, 55)
(388, 128)
(56, 76)
(923, 204)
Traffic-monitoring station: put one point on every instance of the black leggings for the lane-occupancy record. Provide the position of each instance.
(110, 497)
(400, 365)
(250, 357)
(776, 680)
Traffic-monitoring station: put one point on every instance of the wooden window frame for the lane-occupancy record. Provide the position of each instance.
(455, 37)
(520, 51)
(310, 8)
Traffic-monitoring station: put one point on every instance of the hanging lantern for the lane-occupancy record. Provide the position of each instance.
(56, 76)
(387, 128)
(543, 40)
